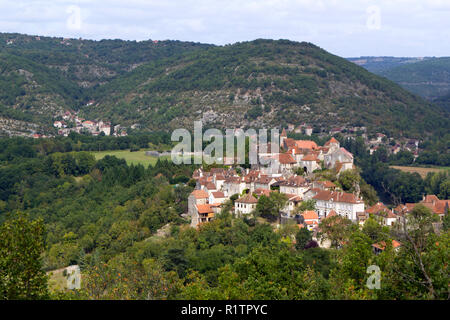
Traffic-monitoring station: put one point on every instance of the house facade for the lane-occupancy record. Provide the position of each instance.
(245, 205)
(344, 204)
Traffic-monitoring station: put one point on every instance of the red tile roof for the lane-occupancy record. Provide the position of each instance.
(264, 179)
(260, 192)
(294, 181)
(336, 196)
(218, 194)
(204, 208)
(377, 208)
(310, 157)
(436, 207)
(332, 213)
(332, 140)
(327, 184)
(249, 198)
(289, 142)
(200, 194)
(286, 158)
(305, 144)
(347, 152)
(430, 198)
(217, 170)
(310, 215)
(293, 197)
(211, 186)
(382, 245)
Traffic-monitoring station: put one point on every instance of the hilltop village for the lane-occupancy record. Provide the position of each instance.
(299, 161)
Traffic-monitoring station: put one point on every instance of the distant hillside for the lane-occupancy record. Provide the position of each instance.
(32, 91)
(168, 84)
(90, 62)
(429, 79)
(378, 65)
(444, 102)
(261, 83)
(41, 77)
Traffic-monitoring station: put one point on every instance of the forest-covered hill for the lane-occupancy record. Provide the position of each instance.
(41, 77)
(168, 84)
(378, 65)
(265, 82)
(427, 77)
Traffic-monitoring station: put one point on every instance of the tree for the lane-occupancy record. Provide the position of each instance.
(270, 207)
(446, 221)
(349, 179)
(176, 260)
(302, 238)
(21, 246)
(356, 257)
(306, 205)
(123, 278)
(373, 230)
(368, 193)
(415, 267)
(336, 229)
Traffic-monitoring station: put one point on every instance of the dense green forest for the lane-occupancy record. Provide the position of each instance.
(429, 78)
(124, 225)
(168, 84)
(378, 65)
(61, 207)
(267, 82)
(444, 101)
(42, 75)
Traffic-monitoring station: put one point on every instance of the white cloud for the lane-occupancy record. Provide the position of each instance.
(406, 27)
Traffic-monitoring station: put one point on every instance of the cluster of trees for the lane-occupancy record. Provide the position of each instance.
(22, 147)
(235, 258)
(64, 208)
(426, 157)
(91, 209)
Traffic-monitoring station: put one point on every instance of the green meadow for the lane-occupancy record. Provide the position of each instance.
(137, 157)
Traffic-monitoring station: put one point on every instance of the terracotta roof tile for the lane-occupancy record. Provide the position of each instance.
(382, 245)
(305, 144)
(310, 215)
(218, 194)
(332, 140)
(211, 186)
(286, 158)
(200, 194)
(204, 208)
(377, 208)
(310, 157)
(249, 198)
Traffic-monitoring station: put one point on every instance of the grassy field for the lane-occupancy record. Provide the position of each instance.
(135, 158)
(420, 170)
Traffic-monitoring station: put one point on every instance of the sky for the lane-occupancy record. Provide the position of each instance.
(348, 28)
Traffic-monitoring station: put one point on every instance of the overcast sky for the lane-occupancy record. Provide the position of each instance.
(344, 27)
